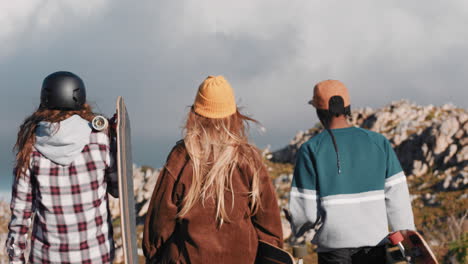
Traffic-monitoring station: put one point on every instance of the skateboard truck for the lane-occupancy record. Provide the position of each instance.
(300, 252)
(395, 239)
(99, 123)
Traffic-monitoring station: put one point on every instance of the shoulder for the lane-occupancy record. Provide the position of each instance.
(311, 145)
(372, 135)
(34, 157)
(177, 158)
(178, 149)
(378, 139)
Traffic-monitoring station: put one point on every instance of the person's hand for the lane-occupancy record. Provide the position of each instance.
(404, 232)
(113, 122)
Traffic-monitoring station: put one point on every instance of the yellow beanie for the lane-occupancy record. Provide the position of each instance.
(215, 98)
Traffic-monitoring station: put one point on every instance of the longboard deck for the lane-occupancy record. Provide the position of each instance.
(415, 247)
(125, 176)
(269, 254)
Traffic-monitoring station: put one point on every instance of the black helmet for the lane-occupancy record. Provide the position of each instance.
(63, 90)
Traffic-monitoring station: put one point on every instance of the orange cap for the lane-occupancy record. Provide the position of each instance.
(325, 90)
(215, 98)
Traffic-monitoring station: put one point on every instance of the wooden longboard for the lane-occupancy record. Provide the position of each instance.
(125, 176)
(269, 254)
(416, 249)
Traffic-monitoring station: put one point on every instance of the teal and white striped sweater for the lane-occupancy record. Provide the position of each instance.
(357, 207)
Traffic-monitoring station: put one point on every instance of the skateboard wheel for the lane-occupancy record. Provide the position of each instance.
(99, 123)
(395, 238)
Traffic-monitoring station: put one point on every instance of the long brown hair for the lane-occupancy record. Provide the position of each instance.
(27, 132)
(217, 147)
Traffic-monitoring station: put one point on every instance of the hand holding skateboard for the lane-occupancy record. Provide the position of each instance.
(413, 247)
(118, 128)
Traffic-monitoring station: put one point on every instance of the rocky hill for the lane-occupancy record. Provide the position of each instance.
(425, 138)
(431, 143)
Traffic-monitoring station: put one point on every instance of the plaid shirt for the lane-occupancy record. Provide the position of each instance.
(72, 223)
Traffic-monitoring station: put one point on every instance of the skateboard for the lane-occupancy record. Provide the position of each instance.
(125, 176)
(269, 254)
(413, 248)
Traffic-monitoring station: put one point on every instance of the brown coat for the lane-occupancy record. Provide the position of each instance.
(196, 238)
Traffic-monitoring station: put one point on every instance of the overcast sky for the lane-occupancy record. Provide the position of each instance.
(156, 53)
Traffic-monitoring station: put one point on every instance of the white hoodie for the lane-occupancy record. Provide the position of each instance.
(63, 142)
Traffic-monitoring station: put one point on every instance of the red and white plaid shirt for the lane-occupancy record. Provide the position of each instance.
(72, 223)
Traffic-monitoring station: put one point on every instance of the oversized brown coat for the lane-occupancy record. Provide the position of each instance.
(196, 238)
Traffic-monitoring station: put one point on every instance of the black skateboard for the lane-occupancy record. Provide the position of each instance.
(269, 254)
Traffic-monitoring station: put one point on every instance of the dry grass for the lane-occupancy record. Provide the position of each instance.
(444, 225)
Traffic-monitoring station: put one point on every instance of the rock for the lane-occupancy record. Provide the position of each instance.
(460, 133)
(458, 182)
(451, 151)
(286, 228)
(446, 183)
(447, 130)
(144, 209)
(448, 106)
(119, 255)
(462, 155)
(114, 207)
(463, 117)
(420, 168)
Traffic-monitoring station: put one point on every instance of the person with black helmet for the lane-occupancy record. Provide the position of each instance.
(63, 173)
(348, 184)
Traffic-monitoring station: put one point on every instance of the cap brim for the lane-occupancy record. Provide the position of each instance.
(311, 102)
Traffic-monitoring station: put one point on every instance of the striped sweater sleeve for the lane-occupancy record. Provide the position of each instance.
(397, 198)
(303, 201)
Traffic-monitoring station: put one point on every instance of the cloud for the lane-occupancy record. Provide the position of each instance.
(36, 17)
(155, 53)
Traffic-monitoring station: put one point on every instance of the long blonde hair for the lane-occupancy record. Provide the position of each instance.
(218, 147)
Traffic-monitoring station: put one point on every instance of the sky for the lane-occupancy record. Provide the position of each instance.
(156, 53)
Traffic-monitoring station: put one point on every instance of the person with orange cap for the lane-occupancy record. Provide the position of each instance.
(214, 200)
(348, 184)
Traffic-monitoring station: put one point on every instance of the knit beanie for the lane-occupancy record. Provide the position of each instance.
(215, 98)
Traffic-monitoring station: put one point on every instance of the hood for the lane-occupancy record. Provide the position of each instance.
(63, 142)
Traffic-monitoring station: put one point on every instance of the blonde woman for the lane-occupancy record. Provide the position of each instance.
(214, 199)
